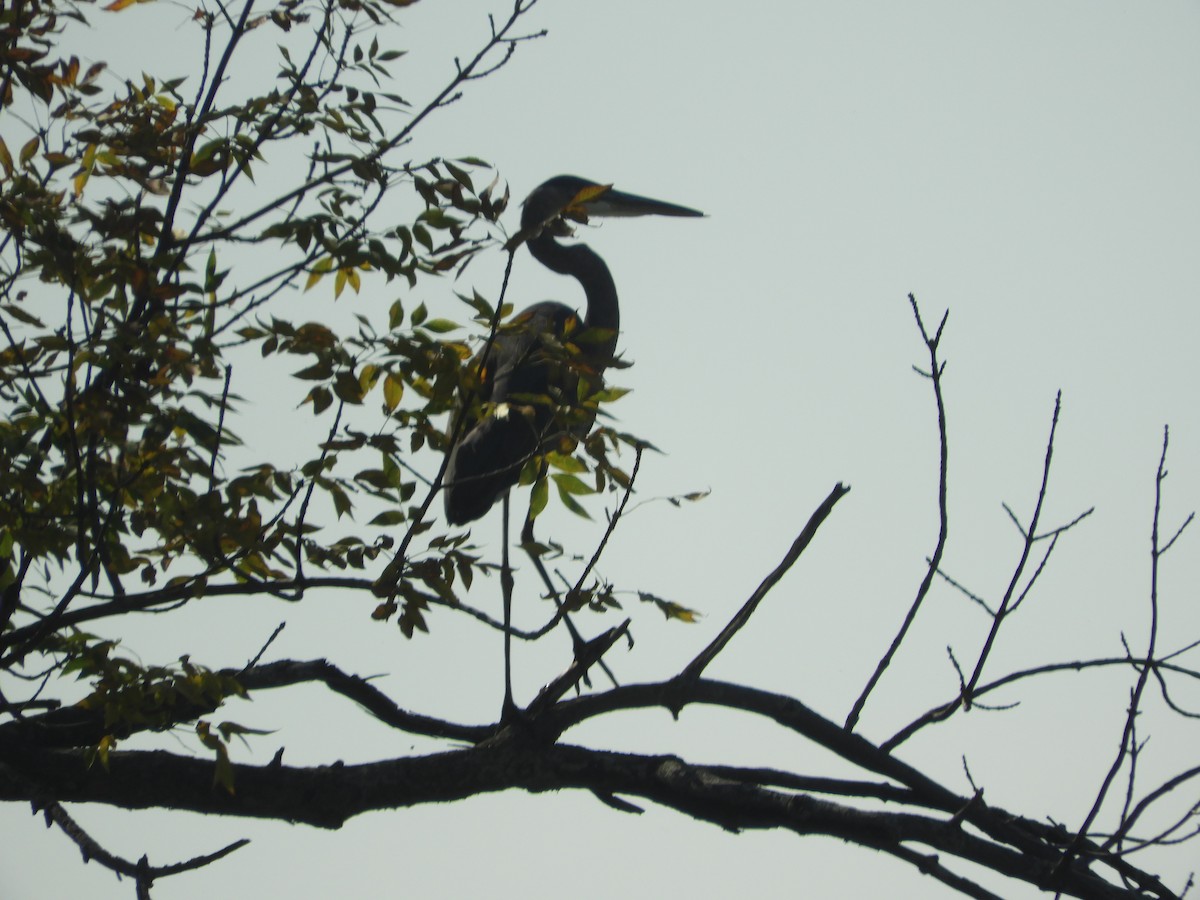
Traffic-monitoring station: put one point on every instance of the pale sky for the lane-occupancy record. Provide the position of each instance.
(1031, 166)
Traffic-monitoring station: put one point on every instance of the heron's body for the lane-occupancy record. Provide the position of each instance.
(522, 385)
(531, 372)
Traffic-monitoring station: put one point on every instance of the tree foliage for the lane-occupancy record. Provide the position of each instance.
(159, 236)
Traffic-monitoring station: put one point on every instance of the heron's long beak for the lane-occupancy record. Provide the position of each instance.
(602, 200)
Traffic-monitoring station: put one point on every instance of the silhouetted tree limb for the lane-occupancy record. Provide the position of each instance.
(934, 374)
(326, 796)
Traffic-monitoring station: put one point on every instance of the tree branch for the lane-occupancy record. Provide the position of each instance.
(326, 796)
(936, 367)
(694, 669)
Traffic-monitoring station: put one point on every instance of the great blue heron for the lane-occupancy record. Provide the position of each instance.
(529, 377)
(526, 377)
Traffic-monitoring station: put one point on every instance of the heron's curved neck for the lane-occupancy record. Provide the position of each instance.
(586, 267)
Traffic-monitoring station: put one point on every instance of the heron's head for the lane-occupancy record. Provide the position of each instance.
(568, 197)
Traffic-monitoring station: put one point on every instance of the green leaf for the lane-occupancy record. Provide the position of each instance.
(228, 729)
(21, 316)
(571, 484)
(347, 387)
(321, 399)
(608, 395)
(341, 500)
(566, 462)
(438, 218)
(389, 518)
(28, 150)
(572, 504)
(538, 497)
(459, 175)
(318, 371)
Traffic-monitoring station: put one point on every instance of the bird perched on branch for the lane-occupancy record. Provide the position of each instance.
(529, 375)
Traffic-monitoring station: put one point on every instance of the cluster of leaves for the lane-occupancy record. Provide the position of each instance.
(129, 302)
(140, 322)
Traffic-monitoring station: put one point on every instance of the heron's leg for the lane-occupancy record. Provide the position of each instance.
(509, 710)
(577, 641)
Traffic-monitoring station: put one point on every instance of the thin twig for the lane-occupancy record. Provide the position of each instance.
(263, 649)
(1007, 601)
(942, 712)
(308, 493)
(144, 873)
(965, 591)
(692, 671)
(936, 368)
(612, 523)
(1135, 699)
(212, 465)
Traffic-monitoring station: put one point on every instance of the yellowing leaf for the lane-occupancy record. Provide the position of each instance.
(669, 608)
(102, 749)
(393, 391)
(589, 193)
(367, 377)
(346, 277)
(28, 150)
(319, 271)
(224, 773)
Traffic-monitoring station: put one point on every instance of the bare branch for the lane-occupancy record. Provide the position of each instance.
(962, 589)
(1179, 531)
(942, 712)
(936, 369)
(1135, 700)
(141, 871)
(693, 669)
(612, 522)
(1005, 603)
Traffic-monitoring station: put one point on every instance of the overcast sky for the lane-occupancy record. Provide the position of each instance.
(1032, 167)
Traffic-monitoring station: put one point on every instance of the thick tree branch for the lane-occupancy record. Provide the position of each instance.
(327, 796)
(75, 726)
